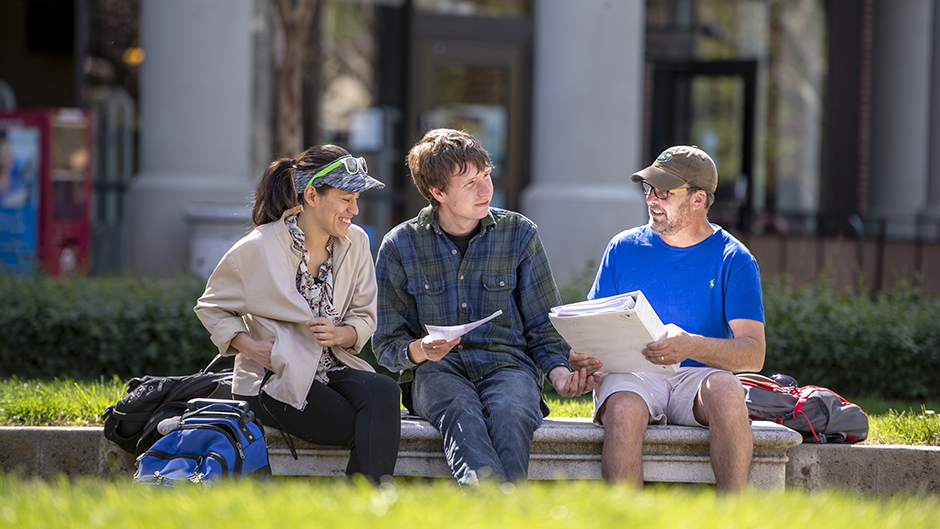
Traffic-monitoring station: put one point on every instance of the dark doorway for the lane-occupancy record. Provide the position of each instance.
(711, 105)
(473, 73)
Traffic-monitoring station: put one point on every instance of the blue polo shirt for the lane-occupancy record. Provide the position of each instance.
(699, 288)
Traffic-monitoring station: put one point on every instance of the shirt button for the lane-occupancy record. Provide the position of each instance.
(427, 287)
(502, 283)
(454, 252)
(464, 305)
(460, 347)
(461, 278)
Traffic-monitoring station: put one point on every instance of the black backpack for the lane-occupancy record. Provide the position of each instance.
(818, 413)
(132, 422)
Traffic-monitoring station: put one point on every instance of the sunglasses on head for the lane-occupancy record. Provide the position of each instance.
(353, 166)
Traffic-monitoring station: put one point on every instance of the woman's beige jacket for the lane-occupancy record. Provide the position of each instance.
(253, 290)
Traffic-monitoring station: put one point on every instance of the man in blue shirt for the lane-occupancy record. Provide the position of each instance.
(706, 284)
(459, 261)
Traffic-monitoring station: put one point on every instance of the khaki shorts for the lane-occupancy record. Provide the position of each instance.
(669, 396)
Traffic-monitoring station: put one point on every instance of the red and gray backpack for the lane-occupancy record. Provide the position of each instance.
(818, 413)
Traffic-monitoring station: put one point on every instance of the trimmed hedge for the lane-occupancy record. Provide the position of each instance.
(85, 328)
(886, 346)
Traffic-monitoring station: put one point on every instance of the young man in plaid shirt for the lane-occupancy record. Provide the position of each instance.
(459, 261)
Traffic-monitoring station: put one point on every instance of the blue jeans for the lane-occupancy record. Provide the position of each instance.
(487, 425)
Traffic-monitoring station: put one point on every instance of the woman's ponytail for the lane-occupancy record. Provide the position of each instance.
(275, 193)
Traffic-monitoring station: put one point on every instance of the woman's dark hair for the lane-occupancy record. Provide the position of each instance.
(276, 193)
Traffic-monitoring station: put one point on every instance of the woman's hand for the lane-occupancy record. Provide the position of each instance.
(328, 335)
(257, 350)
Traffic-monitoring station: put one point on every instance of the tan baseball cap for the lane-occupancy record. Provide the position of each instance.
(679, 165)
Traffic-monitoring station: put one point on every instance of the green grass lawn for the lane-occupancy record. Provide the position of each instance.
(70, 403)
(342, 504)
(56, 403)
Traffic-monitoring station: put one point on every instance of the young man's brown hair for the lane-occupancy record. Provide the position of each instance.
(441, 154)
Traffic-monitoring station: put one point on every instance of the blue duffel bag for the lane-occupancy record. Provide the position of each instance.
(215, 440)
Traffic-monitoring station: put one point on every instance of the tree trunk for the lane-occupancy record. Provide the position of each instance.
(296, 24)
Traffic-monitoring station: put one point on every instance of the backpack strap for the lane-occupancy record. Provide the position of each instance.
(802, 394)
(139, 416)
(756, 380)
(288, 440)
(811, 430)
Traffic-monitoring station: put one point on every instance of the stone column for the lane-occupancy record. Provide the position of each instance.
(587, 128)
(900, 147)
(932, 210)
(195, 133)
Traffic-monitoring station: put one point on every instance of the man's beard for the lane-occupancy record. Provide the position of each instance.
(669, 225)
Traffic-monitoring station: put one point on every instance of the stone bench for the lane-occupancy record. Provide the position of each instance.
(50, 452)
(561, 449)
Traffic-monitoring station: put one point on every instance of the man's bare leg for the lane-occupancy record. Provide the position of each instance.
(720, 405)
(624, 416)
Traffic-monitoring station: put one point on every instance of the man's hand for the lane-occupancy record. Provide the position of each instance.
(428, 349)
(675, 347)
(571, 383)
(743, 352)
(581, 360)
(257, 350)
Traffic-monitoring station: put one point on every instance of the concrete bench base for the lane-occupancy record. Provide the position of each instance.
(561, 449)
(49, 452)
(882, 470)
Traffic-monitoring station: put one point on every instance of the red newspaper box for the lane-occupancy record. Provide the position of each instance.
(45, 190)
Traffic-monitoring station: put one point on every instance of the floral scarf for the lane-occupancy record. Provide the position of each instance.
(318, 291)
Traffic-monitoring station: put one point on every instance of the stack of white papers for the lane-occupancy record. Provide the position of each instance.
(597, 306)
(614, 330)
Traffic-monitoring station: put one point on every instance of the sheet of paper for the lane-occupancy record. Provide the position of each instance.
(450, 332)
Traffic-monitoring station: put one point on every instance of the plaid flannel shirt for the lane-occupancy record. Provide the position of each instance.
(423, 280)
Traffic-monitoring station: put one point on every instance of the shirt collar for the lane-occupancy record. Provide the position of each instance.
(429, 218)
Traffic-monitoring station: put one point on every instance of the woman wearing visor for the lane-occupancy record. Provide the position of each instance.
(295, 301)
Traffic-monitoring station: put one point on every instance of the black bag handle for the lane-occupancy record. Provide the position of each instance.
(214, 360)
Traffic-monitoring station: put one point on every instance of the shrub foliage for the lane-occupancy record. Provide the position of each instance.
(85, 328)
(885, 346)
